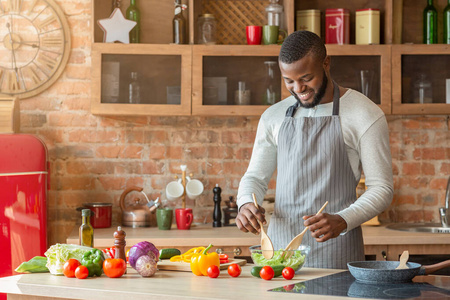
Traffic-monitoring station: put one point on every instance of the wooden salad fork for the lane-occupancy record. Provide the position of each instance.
(297, 241)
(266, 243)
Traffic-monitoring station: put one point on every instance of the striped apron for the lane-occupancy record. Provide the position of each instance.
(313, 167)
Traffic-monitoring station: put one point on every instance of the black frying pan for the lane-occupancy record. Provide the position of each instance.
(385, 272)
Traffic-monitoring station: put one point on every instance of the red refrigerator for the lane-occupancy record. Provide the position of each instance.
(23, 200)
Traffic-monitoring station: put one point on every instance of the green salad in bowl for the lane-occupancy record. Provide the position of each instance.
(295, 261)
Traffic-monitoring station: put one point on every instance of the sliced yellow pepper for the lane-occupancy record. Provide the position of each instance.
(186, 257)
(200, 262)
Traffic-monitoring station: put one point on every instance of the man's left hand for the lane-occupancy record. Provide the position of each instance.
(325, 226)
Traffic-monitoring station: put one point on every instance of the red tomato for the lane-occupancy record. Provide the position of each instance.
(213, 271)
(114, 267)
(234, 270)
(266, 273)
(289, 287)
(70, 266)
(288, 273)
(81, 272)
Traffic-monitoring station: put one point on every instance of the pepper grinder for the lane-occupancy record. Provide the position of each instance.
(119, 244)
(217, 215)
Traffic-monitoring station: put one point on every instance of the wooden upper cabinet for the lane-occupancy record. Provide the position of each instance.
(421, 79)
(198, 79)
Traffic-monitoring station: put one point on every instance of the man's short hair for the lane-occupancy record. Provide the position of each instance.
(300, 44)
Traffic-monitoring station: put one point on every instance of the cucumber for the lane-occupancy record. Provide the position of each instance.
(168, 253)
(278, 269)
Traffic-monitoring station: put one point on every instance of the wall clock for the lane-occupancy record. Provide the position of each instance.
(34, 46)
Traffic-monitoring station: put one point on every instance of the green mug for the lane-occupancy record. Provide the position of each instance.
(164, 218)
(270, 34)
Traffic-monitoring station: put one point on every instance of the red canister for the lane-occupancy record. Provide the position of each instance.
(102, 213)
(337, 26)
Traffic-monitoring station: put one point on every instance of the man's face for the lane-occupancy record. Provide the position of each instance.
(306, 79)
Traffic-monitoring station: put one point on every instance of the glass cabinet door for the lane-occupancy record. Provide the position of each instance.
(129, 79)
(245, 83)
(420, 79)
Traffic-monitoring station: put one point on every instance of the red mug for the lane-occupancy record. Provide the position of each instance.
(254, 34)
(184, 217)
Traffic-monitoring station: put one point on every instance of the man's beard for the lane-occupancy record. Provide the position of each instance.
(317, 97)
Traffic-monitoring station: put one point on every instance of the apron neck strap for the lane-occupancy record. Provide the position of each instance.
(290, 112)
(335, 99)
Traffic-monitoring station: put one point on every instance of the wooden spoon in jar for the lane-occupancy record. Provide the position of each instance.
(266, 243)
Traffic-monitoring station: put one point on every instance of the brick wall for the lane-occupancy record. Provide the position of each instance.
(94, 159)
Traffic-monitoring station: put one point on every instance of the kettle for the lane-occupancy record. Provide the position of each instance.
(137, 214)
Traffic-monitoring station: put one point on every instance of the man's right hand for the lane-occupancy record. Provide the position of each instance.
(248, 216)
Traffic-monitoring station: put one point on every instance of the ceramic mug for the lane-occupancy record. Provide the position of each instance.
(184, 218)
(164, 218)
(194, 188)
(270, 34)
(254, 34)
(174, 190)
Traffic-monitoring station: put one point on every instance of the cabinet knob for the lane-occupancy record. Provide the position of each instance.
(236, 251)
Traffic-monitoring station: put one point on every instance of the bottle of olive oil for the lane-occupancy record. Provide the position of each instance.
(86, 229)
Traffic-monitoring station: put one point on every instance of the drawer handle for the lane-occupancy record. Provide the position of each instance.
(237, 251)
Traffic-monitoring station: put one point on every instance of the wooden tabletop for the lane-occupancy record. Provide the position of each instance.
(163, 285)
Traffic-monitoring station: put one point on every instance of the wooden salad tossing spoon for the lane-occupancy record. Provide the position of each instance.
(403, 260)
(266, 243)
(297, 241)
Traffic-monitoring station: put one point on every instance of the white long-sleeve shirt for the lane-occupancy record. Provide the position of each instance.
(366, 137)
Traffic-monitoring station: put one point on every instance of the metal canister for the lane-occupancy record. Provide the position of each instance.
(207, 29)
(337, 26)
(367, 26)
(309, 19)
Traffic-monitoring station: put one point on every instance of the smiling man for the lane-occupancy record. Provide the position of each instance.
(319, 140)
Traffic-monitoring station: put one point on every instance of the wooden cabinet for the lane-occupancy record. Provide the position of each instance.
(193, 79)
(419, 76)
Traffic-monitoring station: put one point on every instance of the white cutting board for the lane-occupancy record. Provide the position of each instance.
(168, 265)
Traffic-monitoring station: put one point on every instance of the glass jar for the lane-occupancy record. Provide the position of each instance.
(207, 29)
(271, 96)
(422, 91)
(274, 13)
(242, 96)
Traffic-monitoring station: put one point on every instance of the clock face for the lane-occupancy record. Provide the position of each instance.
(34, 46)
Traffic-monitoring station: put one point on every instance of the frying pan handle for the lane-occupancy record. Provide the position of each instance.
(433, 268)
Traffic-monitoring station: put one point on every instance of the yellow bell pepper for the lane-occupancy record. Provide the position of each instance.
(200, 262)
(186, 256)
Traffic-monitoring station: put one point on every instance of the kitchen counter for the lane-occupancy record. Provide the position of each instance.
(163, 285)
(378, 240)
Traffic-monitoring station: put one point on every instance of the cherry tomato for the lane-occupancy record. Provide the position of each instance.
(234, 270)
(70, 266)
(288, 273)
(213, 271)
(81, 272)
(289, 287)
(114, 267)
(266, 273)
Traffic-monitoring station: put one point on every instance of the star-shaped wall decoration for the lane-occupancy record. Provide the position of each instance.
(116, 27)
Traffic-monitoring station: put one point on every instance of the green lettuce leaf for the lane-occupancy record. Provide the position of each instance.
(34, 265)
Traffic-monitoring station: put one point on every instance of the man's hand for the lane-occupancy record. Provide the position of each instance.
(248, 216)
(325, 226)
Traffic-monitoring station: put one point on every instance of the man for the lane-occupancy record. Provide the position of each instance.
(319, 140)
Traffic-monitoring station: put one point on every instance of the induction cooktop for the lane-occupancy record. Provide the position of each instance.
(344, 284)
